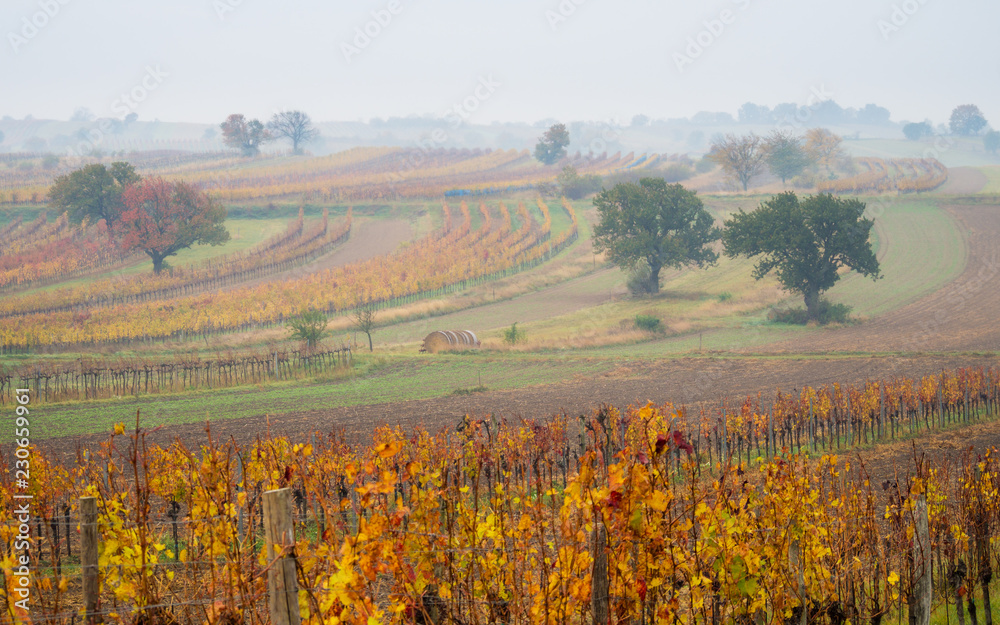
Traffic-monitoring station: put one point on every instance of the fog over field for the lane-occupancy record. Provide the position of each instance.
(565, 59)
(499, 312)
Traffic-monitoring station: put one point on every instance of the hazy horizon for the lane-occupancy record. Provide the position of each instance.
(200, 60)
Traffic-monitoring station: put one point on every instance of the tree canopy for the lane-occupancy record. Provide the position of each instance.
(161, 218)
(991, 141)
(552, 146)
(823, 147)
(574, 186)
(652, 222)
(805, 243)
(93, 191)
(786, 158)
(295, 126)
(917, 130)
(309, 327)
(245, 135)
(741, 158)
(967, 119)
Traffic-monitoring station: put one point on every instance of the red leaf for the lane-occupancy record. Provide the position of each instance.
(681, 443)
(615, 500)
(661, 442)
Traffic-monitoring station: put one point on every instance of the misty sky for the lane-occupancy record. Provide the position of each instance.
(605, 60)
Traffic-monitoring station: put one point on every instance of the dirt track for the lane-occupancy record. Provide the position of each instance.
(685, 381)
(369, 238)
(962, 316)
(963, 181)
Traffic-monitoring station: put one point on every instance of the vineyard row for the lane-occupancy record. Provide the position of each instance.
(615, 517)
(444, 260)
(294, 248)
(101, 380)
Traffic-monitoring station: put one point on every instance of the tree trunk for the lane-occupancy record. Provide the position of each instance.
(157, 263)
(654, 276)
(370, 348)
(812, 303)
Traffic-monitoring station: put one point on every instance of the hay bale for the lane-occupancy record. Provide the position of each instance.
(445, 340)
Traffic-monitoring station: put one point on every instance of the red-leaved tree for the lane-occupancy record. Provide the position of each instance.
(161, 218)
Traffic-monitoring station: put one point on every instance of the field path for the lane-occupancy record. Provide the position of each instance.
(963, 181)
(369, 238)
(570, 296)
(961, 316)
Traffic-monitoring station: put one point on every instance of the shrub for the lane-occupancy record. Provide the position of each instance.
(310, 327)
(828, 313)
(638, 280)
(648, 323)
(704, 166)
(512, 335)
(676, 172)
(725, 297)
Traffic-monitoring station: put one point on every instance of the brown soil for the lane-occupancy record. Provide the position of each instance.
(961, 316)
(963, 181)
(688, 381)
(369, 238)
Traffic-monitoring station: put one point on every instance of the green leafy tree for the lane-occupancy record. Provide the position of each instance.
(663, 225)
(786, 157)
(309, 327)
(991, 141)
(741, 158)
(552, 146)
(93, 191)
(917, 131)
(805, 243)
(162, 218)
(967, 119)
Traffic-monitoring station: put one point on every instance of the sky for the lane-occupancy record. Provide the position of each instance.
(493, 60)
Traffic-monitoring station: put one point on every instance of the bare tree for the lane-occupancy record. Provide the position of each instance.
(364, 320)
(741, 158)
(294, 125)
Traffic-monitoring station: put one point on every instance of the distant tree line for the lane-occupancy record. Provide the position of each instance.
(249, 135)
(782, 152)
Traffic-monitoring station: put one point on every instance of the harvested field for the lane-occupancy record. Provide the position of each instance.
(961, 316)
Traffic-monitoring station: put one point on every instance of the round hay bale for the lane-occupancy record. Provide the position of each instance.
(445, 340)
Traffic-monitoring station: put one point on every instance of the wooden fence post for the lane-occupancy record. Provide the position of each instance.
(724, 452)
(795, 563)
(600, 584)
(88, 557)
(282, 586)
(922, 594)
